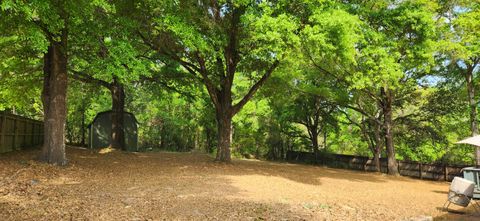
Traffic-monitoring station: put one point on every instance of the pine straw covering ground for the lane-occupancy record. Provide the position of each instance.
(190, 186)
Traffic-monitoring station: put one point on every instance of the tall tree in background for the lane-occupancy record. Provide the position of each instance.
(106, 55)
(461, 44)
(316, 102)
(397, 51)
(328, 44)
(315, 113)
(370, 122)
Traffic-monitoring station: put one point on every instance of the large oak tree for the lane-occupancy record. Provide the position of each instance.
(216, 41)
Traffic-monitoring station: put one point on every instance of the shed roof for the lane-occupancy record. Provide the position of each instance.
(108, 112)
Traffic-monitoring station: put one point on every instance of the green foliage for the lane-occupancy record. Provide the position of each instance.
(335, 59)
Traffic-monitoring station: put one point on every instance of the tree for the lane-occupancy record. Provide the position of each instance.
(315, 102)
(370, 122)
(106, 55)
(315, 113)
(51, 23)
(17, 74)
(215, 41)
(461, 48)
(386, 67)
(54, 69)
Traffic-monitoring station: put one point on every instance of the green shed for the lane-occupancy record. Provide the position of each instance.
(99, 131)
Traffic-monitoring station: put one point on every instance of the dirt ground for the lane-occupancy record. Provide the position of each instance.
(190, 186)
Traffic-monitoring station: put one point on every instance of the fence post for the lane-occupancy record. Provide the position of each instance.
(420, 170)
(445, 172)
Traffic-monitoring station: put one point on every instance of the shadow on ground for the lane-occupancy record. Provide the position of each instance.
(458, 213)
(161, 185)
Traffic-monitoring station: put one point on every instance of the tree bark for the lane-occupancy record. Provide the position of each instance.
(118, 107)
(325, 140)
(473, 109)
(82, 130)
(314, 139)
(282, 149)
(471, 101)
(388, 127)
(224, 125)
(208, 139)
(54, 96)
(163, 137)
(377, 148)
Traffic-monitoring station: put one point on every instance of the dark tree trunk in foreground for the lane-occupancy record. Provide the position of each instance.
(473, 108)
(54, 102)
(118, 107)
(388, 127)
(224, 125)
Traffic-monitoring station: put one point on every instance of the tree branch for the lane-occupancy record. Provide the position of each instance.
(191, 68)
(237, 107)
(168, 87)
(364, 113)
(211, 88)
(44, 29)
(86, 78)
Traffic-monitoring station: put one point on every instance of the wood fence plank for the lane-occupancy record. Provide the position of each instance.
(17, 132)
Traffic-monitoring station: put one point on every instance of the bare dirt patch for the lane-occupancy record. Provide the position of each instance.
(190, 186)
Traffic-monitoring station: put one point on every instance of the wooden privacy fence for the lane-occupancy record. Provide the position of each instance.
(18, 132)
(405, 168)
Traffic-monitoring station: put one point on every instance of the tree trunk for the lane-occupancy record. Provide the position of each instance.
(324, 140)
(388, 126)
(118, 106)
(163, 137)
(82, 130)
(471, 101)
(208, 139)
(377, 148)
(54, 97)
(473, 109)
(314, 139)
(376, 160)
(282, 147)
(224, 125)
